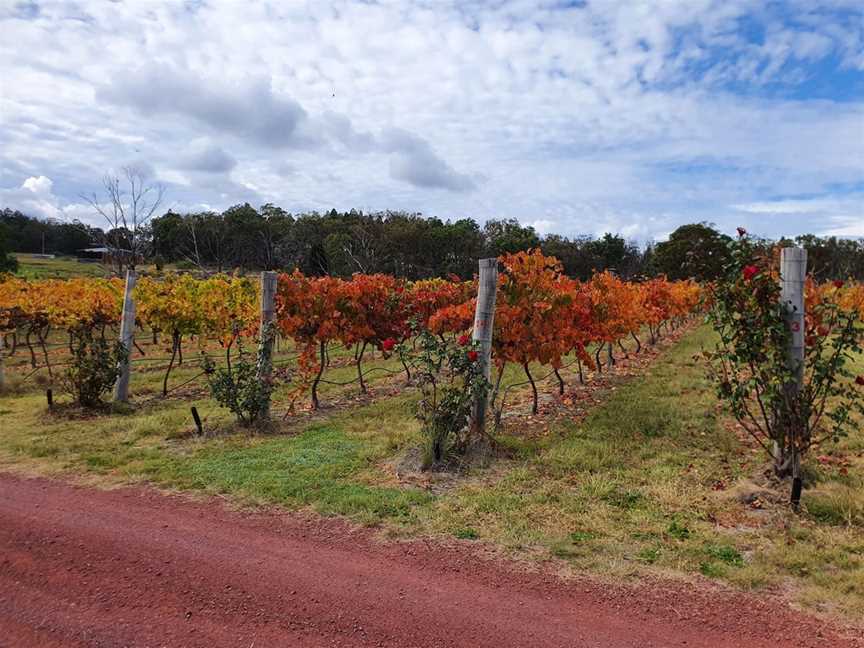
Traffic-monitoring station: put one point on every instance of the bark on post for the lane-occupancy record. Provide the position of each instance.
(268, 333)
(2, 362)
(484, 319)
(793, 273)
(127, 333)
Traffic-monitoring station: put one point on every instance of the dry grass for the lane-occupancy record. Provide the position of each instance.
(653, 480)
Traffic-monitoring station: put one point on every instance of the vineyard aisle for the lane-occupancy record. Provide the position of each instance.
(598, 486)
(133, 567)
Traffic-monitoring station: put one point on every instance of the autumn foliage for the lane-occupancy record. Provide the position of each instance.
(542, 316)
(787, 398)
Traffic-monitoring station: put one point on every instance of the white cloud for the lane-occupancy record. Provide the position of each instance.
(207, 158)
(414, 161)
(251, 111)
(637, 116)
(39, 186)
(34, 197)
(543, 226)
(829, 217)
(847, 226)
(792, 206)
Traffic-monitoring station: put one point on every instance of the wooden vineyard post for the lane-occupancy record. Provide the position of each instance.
(197, 418)
(127, 332)
(484, 318)
(793, 273)
(2, 361)
(267, 333)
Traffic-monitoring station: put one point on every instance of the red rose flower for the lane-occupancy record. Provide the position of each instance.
(388, 344)
(464, 340)
(859, 381)
(749, 272)
(823, 331)
(838, 283)
(742, 231)
(473, 355)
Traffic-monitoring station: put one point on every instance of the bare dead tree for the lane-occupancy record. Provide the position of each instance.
(361, 248)
(193, 256)
(127, 206)
(348, 250)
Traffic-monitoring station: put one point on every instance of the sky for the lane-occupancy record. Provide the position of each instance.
(578, 118)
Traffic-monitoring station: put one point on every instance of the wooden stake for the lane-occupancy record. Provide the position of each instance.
(2, 361)
(267, 333)
(484, 319)
(197, 420)
(127, 332)
(793, 273)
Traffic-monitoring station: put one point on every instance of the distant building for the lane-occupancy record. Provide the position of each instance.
(106, 255)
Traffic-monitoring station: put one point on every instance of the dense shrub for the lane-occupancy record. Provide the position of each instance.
(238, 388)
(753, 370)
(94, 367)
(451, 379)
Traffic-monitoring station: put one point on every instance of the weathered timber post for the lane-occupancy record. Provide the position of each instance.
(197, 418)
(127, 332)
(793, 273)
(267, 333)
(484, 320)
(2, 361)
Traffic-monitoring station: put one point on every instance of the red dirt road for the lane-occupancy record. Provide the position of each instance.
(133, 567)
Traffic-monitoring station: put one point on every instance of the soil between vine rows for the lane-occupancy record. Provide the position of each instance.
(134, 567)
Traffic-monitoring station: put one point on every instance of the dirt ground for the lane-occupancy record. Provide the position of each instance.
(135, 567)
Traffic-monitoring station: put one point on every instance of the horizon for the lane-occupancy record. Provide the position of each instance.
(641, 244)
(573, 118)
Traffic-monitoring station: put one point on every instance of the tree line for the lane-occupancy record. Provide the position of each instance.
(403, 244)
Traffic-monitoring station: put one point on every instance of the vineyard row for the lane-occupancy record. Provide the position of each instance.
(542, 316)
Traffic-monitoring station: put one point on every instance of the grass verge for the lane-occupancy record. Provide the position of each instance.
(655, 480)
